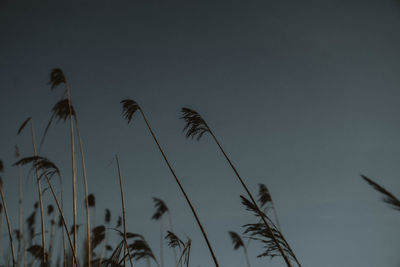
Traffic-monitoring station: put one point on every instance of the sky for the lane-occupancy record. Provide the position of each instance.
(303, 96)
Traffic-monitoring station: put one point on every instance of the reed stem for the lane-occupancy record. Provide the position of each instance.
(123, 212)
(8, 223)
(182, 190)
(44, 260)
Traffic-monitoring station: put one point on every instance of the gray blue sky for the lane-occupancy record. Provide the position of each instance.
(304, 97)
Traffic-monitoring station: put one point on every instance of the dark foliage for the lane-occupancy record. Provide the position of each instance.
(57, 77)
(129, 107)
(61, 111)
(107, 217)
(173, 240)
(98, 235)
(161, 208)
(236, 240)
(42, 164)
(119, 222)
(23, 125)
(263, 195)
(36, 251)
(91, 200)
(260, 232)
(388, 197)
(195, 125)
(141, 250)
(50, 209)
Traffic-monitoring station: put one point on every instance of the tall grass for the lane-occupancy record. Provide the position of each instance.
(39, 188)
(3, 201)
(196, 127)
(129, 108)
(238, 243)
(64, 110)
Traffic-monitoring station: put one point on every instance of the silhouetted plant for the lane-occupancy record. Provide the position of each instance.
(175, 242)
(20, 211)
(238, 243)
(123, 212)
(7, 218)
(260, 232)
(195, 126)
(161, 209)
(98, 235)
(48, 169)
(264, 197)
(44, 256)
(388, 197)
(129, 107)
(141, 250)
(62, 111)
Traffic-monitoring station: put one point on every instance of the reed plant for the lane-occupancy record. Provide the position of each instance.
(129, 108)
(196, 127)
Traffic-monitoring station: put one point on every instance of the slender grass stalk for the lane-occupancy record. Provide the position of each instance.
(73, 167)
(20, 212)
(40, 196)
(123, 212)
(63, 219)
(1, 224)
(285, 257)
(129, 107)
(86, 195)
(8, 223)
(196, 126)
(161, 209)
(64, 109)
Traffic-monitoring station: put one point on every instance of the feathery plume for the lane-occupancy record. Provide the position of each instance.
(195, 125)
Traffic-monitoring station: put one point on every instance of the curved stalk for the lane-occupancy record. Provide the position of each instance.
(246, 255)
(63, 219)
(73, 166)
(182, 190)
(8, 223)
(285, 257)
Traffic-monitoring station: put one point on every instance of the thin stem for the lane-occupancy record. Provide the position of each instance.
(183, 192)
(161, 243)
(20, 216)
(62, 219)
(123, 212)
(40, 196)
(246, 256)
(73, 166)
(8, 224)
(86, 196)
(285, 257)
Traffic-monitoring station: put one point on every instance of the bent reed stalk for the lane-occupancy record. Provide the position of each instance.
(8, 222)
(129, 108)
(196, 127)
